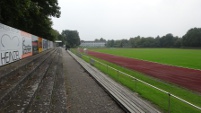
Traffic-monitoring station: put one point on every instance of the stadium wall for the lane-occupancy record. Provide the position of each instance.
(16, 44)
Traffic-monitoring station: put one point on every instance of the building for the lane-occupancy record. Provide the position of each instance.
(92, 44)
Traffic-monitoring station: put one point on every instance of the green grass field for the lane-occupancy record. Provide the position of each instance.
(154, 96)
(190, 58)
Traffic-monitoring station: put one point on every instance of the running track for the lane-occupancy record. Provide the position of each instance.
(188, 78)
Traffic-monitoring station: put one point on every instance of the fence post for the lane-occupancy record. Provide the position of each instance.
(94, 63)
(107, 69)
(135, 84)
(122, 68)
(100, 65)
(20, 63)
(169, 95)
(117, 74)
(88, 58)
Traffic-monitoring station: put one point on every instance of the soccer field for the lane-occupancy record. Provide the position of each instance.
(190, 58)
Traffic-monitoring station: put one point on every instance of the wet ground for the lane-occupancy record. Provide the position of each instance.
(84, 95)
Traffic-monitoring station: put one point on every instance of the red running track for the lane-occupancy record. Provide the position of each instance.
(188, 78)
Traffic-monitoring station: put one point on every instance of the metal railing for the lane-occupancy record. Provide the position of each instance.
(93, 61)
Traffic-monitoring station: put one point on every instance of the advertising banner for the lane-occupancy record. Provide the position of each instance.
(40, 44)
(48, 44)
(10, 44)
(51, 44)
(16, 44)
(45, 44)
(34, 44)
(26, 44)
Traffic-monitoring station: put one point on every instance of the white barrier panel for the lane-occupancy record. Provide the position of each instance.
(26, 44)
(49, 44)
(40, 44)
(10, 44)
(34, 44)
(45, 44)
(16, 44)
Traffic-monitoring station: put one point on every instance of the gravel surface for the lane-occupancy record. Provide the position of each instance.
(84, 95)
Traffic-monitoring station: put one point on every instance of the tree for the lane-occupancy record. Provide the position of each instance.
(110, 43)
(71, 37)
(32, 16)
(135, 42)
(125, 43)
(157, 41)
(167, 40)
(147, 42)
(55, 34)
(100, 40)
(117, 43)
(61, 38)
(192, 38)
(12, 10)
(96, 40)
(132, 42)
(177, 42)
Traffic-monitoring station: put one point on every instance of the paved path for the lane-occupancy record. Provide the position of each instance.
(125, 97)
(84, 95)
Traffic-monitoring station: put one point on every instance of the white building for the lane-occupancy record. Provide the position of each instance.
(92, 44)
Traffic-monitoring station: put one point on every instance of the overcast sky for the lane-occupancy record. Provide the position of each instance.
(122, 19)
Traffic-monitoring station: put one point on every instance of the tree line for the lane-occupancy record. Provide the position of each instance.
(69, 38)
(32, 16)
(191, 39)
